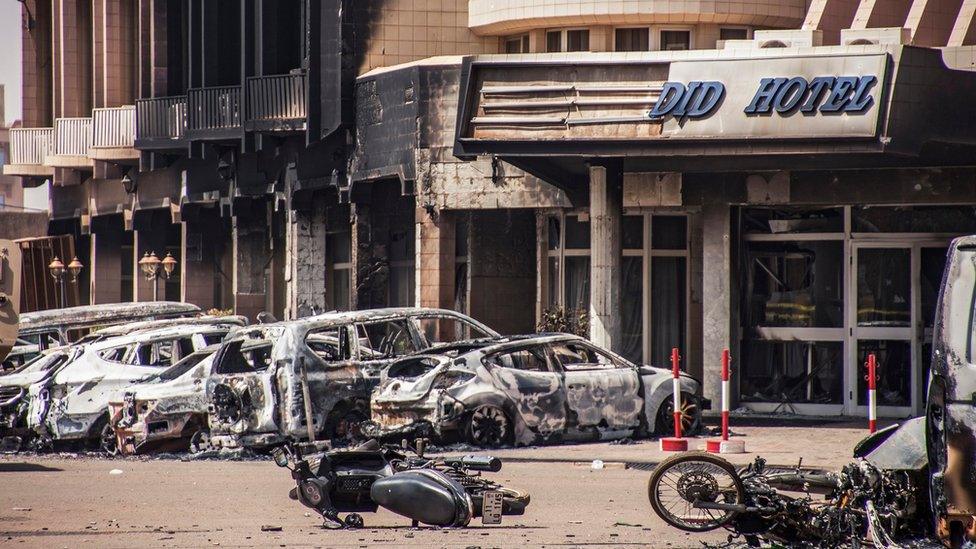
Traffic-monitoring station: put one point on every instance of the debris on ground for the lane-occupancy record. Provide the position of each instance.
(271, 528)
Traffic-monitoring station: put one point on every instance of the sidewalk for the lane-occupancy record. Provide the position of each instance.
(821, 445)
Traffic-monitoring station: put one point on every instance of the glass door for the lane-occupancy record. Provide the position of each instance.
(884, 322)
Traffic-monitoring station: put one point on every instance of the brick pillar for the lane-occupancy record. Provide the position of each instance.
(606, 211)
(305, 260)
(250, 257)
(105, 266)
(197, 265)
(435, 259)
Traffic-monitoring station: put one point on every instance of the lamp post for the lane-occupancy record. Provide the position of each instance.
(58, 271)
(150, 265)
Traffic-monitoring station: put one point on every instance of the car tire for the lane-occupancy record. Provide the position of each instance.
(102, 437)
(691, 421)
(200, 441)
(488, 427)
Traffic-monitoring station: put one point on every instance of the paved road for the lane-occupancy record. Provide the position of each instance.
(76, 502)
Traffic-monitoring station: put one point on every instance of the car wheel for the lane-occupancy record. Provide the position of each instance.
(348, 426)
(200, 441)
(691, 418)
(488, 427)
(104, 439)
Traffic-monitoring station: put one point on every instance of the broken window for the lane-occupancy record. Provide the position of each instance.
(385, 339)
(115, 354)
(243, 356)
(447, 329)
(792, 371)
(579, 357)
(532, 359)
(330, 344)
(795, 284)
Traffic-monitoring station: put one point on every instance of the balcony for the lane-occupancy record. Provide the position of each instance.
(214, 113)
(114, 134)
(72, 142)
(161, 123)
(28, 149)
(276, 104)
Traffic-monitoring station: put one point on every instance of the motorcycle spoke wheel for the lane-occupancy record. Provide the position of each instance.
(488, 427)
(679, 483)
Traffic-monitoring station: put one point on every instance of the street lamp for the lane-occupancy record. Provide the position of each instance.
(57, 269)
(150, 265)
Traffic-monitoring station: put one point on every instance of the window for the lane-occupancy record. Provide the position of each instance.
(447, 329)
(338, 252)
(243, 357)
(385, 339)
(115, 354)
(554, 41)
(675, 40)
(402, 272)
(162, 353)
(330, 344)
(213, 339)
(126, 267)
(733, 34)
(631, 39)
(578, 40)
(462, 229)
(795, 284)
(580, 357)
(569, 263)
(517, 44)
(532, 359)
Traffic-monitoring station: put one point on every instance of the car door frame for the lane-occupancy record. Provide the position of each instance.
(532, 416)
(608, 399)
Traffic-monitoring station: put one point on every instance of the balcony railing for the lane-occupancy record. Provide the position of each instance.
(277, 103)
(114, 127)
(29, 146)
(214, 112)
(161, 122)
(72, 136)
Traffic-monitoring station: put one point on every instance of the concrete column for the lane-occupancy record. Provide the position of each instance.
(606, 210)
(250, 257)
(106, 267)
(197, 265)
(830, 16)
(876, 14)
(305, 260)
(717, 293)
(435, 259)
(964, 30)
(930, 22)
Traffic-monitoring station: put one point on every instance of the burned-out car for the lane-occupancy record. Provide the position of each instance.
(14, 387)
(528, 390)
(40, 330)
(268, 379)
(72, 405)
(167, 411)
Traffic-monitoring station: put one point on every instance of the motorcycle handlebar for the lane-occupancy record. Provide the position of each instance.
(476, 463)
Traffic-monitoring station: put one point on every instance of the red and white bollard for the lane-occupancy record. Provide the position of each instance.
(675, 443)
(724, 445)
(872, 378)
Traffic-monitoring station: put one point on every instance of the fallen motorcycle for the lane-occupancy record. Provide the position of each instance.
(880, 498)
(446, 492)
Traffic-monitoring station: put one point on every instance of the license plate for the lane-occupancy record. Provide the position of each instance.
(491, 507)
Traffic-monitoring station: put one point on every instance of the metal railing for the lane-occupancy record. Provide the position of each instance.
(277, 97)
(29, 146)
(214, 108)
(161, 117)
(114, 127)
(72, 136)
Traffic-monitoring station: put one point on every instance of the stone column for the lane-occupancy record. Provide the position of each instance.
(197, 264)
(305, 260)
(606, 210)
(435, 258)
(106, 267)
(717, 294)
(250, 258)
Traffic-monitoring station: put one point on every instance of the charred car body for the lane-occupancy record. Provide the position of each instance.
(528, 390)
(14, 387)
(73, 403)
(40, 330)
(268, 379)
(908, 485)
(167, 411)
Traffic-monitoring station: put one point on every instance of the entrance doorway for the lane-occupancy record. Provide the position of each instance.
(824, 288)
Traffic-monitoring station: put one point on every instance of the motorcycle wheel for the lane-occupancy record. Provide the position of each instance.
(513, 502)
(681, 480)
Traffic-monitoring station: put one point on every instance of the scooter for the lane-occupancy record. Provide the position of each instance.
(446, 492)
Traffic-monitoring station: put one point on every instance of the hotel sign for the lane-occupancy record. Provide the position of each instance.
(810, 97)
